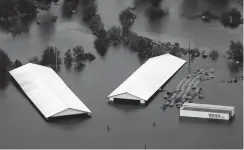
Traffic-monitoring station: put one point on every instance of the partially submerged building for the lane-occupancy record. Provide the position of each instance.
(147, 79)
(207, 111)
(47, 91)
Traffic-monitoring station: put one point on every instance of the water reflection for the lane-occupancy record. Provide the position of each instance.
(69, 8)
(190, 7)
(127, 107)
(201, 121)
(234, 67)
(47, 27)
(158, 26)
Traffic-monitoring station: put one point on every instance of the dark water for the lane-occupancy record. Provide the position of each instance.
(130, 126)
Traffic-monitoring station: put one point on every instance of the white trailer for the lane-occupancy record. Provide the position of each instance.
(207, 111)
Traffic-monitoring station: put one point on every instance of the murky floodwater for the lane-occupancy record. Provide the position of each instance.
(131, 126)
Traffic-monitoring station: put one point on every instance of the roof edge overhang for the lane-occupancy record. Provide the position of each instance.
(127, 93)
(80, 112)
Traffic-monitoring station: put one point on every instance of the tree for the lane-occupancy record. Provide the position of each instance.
(34, 60)
(89, 11)
(17, 63)
(51, 57)
(115, 35)
(101, 45)
(214, 54)
(235, 51)
(27, 7)
(5, 64)
(127, 18)
(195, 52)
(232, 18)
(89, 57)
(68, 58)
(236, 18)
(78, 55)
(225, 19)
(176, 50)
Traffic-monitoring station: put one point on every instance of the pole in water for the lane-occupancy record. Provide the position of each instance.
(145, 146)
(108, 128)
(189, 64)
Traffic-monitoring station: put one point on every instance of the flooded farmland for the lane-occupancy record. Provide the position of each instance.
(130, 126)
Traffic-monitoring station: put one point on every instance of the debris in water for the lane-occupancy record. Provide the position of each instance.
(160, 90)
(108, 128)
(145, 146)
(169, 93)
(73, 11)
(234, 80)
(39, 22)
(154, 124)
(200, 96)
(188, 88)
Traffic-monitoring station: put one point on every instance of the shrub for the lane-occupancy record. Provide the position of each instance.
(51, 57)
(214, 54)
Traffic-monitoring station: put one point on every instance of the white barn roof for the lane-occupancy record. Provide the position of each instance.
(47, 91)
(146, 80)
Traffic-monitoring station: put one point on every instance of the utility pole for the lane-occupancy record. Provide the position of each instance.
(189, 64)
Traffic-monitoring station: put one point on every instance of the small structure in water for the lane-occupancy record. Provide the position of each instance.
(207, 111)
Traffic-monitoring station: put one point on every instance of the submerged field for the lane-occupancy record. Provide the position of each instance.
(130, 126)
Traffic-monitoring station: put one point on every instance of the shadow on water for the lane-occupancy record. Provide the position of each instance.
(68, 122)
(190, 120)
(47, 28)
(141, 4)
(190, 7)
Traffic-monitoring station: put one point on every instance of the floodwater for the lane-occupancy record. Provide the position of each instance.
(130, 126)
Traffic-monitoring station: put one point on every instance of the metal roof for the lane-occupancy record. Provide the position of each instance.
(207, 106)
(47, 91)
(147, 79)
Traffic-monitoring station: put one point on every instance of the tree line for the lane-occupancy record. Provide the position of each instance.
(51, 57)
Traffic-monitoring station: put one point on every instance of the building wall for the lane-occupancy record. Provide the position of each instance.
(127, 97)
(68, 112)
(200, 114)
